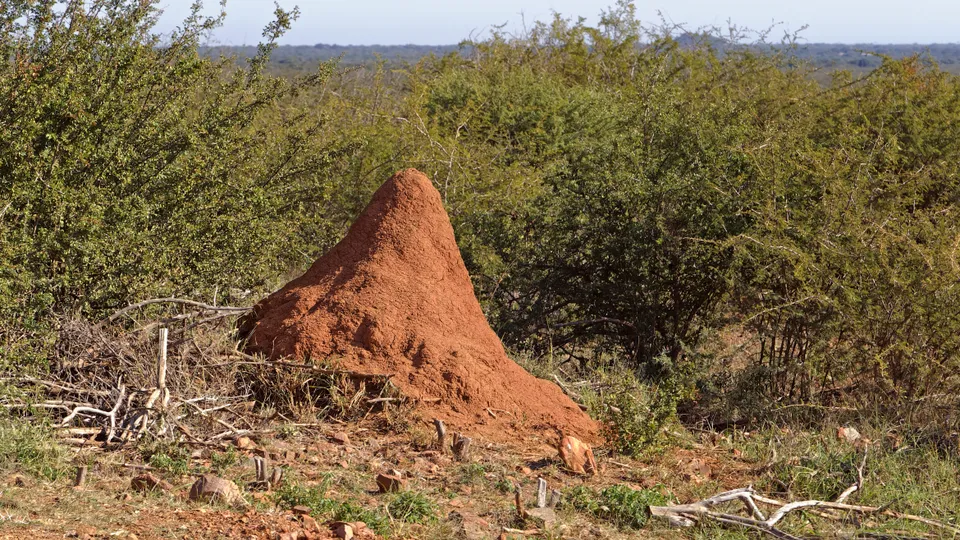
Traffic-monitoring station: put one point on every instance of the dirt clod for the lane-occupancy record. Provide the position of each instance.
(394, 297)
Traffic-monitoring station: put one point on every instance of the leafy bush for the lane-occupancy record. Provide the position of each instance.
(137, 167)
(635, 413)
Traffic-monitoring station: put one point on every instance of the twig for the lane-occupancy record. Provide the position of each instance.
(859, 485)
(111, 414)
(172, 300)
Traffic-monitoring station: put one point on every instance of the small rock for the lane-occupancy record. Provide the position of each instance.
(340, 438)
(301, 510)
(547, 515)
(389, 483)
(849, 434)
(310, 524)
(19, 481)
(209, 488)
(245, 443)
(526, 470)
(149, 482)
(342, 530)
(577, 456)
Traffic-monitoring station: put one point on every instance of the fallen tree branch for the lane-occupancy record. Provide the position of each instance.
(172, 300)
(111, 414)
(685, 515)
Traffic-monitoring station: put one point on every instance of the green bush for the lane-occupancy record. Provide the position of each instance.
(634, 413)
(136, 167)
(624, 507)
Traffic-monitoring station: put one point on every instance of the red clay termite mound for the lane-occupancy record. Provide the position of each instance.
(394, 297)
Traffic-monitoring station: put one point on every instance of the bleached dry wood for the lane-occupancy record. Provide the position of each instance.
(461, 447)
(686, 515)
(518, 500)
(111, 414)
(172, 300)
(81, 476)
(555, 497)
(441, 434)
(541, 493)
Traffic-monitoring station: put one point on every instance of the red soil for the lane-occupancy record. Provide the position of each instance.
(394, 297)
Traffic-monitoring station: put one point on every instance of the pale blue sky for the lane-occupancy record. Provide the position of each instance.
(367, 22)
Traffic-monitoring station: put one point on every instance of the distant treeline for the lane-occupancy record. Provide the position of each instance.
(836, 55)
(296, 55)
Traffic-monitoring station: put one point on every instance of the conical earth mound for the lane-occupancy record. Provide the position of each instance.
(394, 297)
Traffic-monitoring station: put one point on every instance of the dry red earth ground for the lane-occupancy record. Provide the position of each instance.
(470, 497)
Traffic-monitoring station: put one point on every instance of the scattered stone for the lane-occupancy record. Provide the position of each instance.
(149, 482)
(470, 526)
(345, 530)
(547, 515)
(389, 483)
(849, 434)
(577, 456)
(310, 524)
(245, 443)
(210, 488)
(526, 470)
(340, 438)
(301, 510)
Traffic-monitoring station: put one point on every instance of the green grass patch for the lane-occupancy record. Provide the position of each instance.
(624, 507)
(293, 494)
(32, 449)
(412, 507)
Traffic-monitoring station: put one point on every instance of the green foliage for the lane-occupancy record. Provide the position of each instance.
(624, 507)
(31, 448)
(292, 494)
(220, 461)
(635, 413)
(471, 473)
(412, 507)
(172, 459)
(903, 475)
(131, 165)
(619, 193)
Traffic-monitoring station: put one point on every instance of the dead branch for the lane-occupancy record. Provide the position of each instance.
(111, 414)
(441, 434)
(685, 515)
(171, 300)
